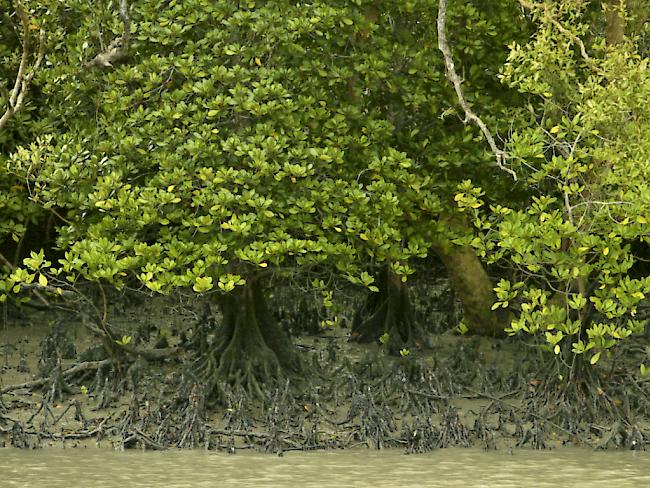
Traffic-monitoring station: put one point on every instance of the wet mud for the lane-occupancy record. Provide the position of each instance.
(60, 388)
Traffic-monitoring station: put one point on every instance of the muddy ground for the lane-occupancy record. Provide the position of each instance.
(461, 391)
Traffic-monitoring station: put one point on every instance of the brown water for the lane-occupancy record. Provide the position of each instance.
(71, 468)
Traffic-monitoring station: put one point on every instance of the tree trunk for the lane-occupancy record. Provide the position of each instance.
(252, 351)
(615, 31)
(473, 287)
(388, 311)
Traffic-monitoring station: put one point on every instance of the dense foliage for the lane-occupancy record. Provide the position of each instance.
(574, 246)
(209, 144)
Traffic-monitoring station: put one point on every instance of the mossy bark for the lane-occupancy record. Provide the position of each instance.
(251, 351)
(473, 288)
(615, 30)
(388, 311)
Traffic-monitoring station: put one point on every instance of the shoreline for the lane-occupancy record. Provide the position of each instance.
(465, 392)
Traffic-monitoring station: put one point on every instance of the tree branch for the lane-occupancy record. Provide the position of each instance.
(453, 77)
(114, 51)
(23, 80)
(547, 16)
(118, 46)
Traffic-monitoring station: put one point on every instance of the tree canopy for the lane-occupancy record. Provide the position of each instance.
(205, 144)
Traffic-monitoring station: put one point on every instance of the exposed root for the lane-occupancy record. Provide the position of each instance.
(90, 365)
(56, 346)
(535, 436)
(193, 427)
(278, 420)
(58, 386)
(21, 439)
(577, 397)
(372, 401)
(421, 436)
(452, 431)
(376, 423)
(486, 434)
(251, 351)
(250, 365)
(623, 435)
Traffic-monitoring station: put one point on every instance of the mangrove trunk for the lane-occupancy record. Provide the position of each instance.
(251, 351)
(388, 311)
(473, 287)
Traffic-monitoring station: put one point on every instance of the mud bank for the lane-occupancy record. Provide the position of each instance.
(58, 388)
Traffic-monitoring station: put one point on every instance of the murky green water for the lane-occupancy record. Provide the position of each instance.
(448, 468)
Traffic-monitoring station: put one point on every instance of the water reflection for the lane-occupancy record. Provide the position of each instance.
(447, 467)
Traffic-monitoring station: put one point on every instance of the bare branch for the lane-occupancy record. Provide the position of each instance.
(21, 85)
(118, 46)
(452, 76)
(114, 51)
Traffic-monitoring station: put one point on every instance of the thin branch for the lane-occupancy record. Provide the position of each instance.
(24, 20)
(549, 17)
(599, 202)
(23, 81)
(114, 51)
(453, 77)
(118, 46)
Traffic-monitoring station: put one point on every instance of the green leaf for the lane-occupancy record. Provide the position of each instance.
(644, 370)
(203, 284)
(126, 339)
(462, 328)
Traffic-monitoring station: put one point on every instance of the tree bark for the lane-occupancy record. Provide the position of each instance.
(388, 311)
(251, 351)
(615, 31)
(23, 77)
(473, 287)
